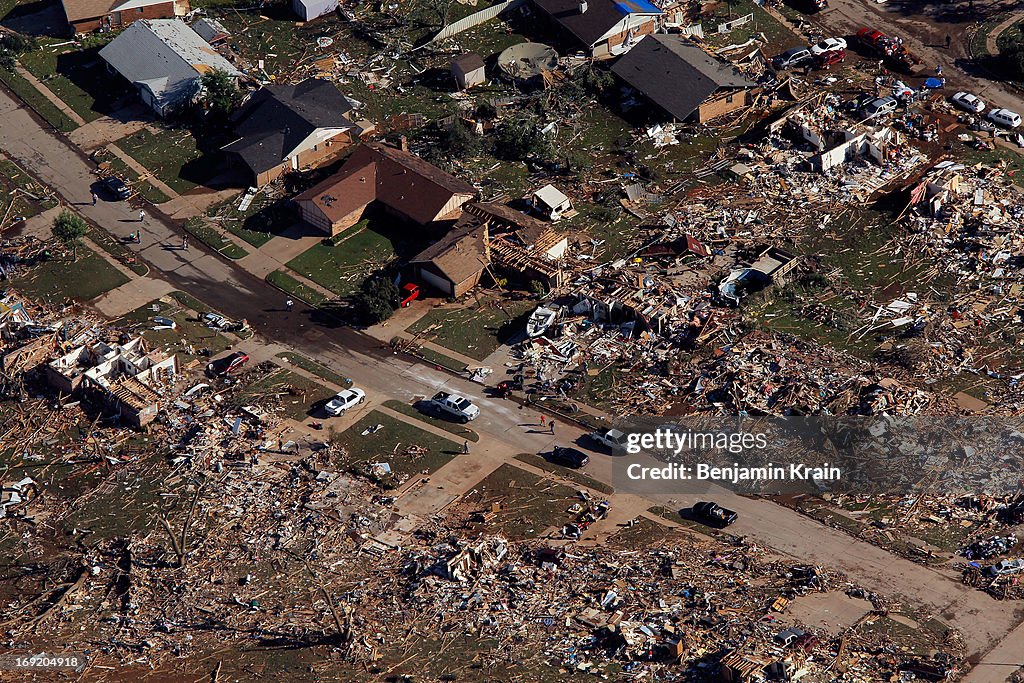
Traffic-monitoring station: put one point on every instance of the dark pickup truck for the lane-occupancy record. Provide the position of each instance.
(714, 514)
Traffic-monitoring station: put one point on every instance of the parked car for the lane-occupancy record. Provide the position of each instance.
(795, 56)
(568, 457)
(116, 187)
(713, 514)
(827, 59)
(228, 364)
(343, 400)
(880, 107)
(410, 292)
(612, 438)
(789, 635)
(1004, 117)
(968, 102)
(453, 405)
(550, 555)
(1004, 567)
(828, 45)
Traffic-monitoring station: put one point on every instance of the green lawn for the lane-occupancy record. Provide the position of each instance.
(478, 329)
(145, 189)
(389, 444)
(312, 367)
(77, 76)
(186, 340)
(12, 177)
(300, 291)
(344, 267)
(533, 503)
(165, 154)
(565, 472)
(295, 394)
(119, 250)
(206, 234)
(57, 280)
(458, 430)
(258, 224)
(37, 101)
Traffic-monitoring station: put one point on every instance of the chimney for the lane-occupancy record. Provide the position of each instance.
(403, 143)
(583, 6)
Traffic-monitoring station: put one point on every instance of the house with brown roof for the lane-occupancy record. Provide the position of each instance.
(85, 16)
(394, 179)
(491, 235)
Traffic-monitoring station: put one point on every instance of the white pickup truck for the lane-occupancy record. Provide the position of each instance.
(459, 407)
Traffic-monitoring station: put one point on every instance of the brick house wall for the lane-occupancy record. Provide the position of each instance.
(163, 10)
(723, 103)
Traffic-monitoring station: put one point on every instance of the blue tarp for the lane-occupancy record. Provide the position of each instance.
(629, 6)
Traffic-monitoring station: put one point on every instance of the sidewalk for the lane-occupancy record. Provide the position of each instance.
(48, 94)
(109, 129)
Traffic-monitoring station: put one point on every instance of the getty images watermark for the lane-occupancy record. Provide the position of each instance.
(674, 442)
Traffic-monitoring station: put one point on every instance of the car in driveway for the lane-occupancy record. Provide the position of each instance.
(343, 400)
(1004, 117)
(228, 364)
(568, 457)
(827, 59)
(713, 514)
(795, 56)
(968, 102)
(828, 45)
(116, 187)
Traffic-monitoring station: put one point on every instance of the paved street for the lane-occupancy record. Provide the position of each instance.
(504, 428)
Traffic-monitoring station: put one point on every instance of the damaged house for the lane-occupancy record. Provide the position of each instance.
(492, 235)
(283, 128)
(684, 81)
(129, 376)
(85, 16)
(604, 28)
(394, 179)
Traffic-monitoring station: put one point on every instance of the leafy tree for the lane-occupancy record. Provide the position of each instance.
(11, 46)
(1012, 57)
(519, 139)
(220, 92)
(377, 300)
(70, 228)
(459, 141)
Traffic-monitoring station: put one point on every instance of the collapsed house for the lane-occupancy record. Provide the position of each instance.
(129, 377)
(772, 267)
(604, 28)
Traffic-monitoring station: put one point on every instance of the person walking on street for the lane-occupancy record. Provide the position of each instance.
(142, 215)
(552, 425)
(465, 447)
(138, 236)
(288, 305)
(184, 243)
(949, 39)
(542, 418)
(94, 199)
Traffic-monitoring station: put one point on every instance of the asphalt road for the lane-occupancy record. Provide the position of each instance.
(369, 363)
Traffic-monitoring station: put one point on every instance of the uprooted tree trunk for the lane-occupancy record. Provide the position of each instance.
(179, 543)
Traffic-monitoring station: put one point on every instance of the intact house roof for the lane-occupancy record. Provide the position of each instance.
(601, 15)
(278, 118)
(468, 63)
(397, 179)
(675, 75)
(77, 10)
(165, 57)
(459, 255)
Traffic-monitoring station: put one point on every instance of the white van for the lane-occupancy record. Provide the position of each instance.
(880, 107)
(1004, 117)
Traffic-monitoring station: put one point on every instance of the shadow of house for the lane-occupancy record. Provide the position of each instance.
(683, 80)
(86, 70)
(284, 128)
(396, 180)
(44, 18)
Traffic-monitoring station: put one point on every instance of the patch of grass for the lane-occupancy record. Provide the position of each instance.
(644, 534)
(531, 503)
(13, 178)
(296, 393)
(456, 429)
(75, 75)
(388, 444)
(188, 301)
(478, 329)
(206, 234)
(258, 224)
(165, 154)
(344, 267)
(312, 367)
(186, 340)
(565, 473)
(300, 291)
(37, 101)
(55, 281)
(438, 358)
(118, 250)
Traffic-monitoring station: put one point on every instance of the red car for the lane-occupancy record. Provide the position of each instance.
(870, 37)
(227, 364)
(827, 59)
(411, 292)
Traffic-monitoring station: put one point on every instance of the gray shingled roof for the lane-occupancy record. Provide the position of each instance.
(166, 56)
(676, 75)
